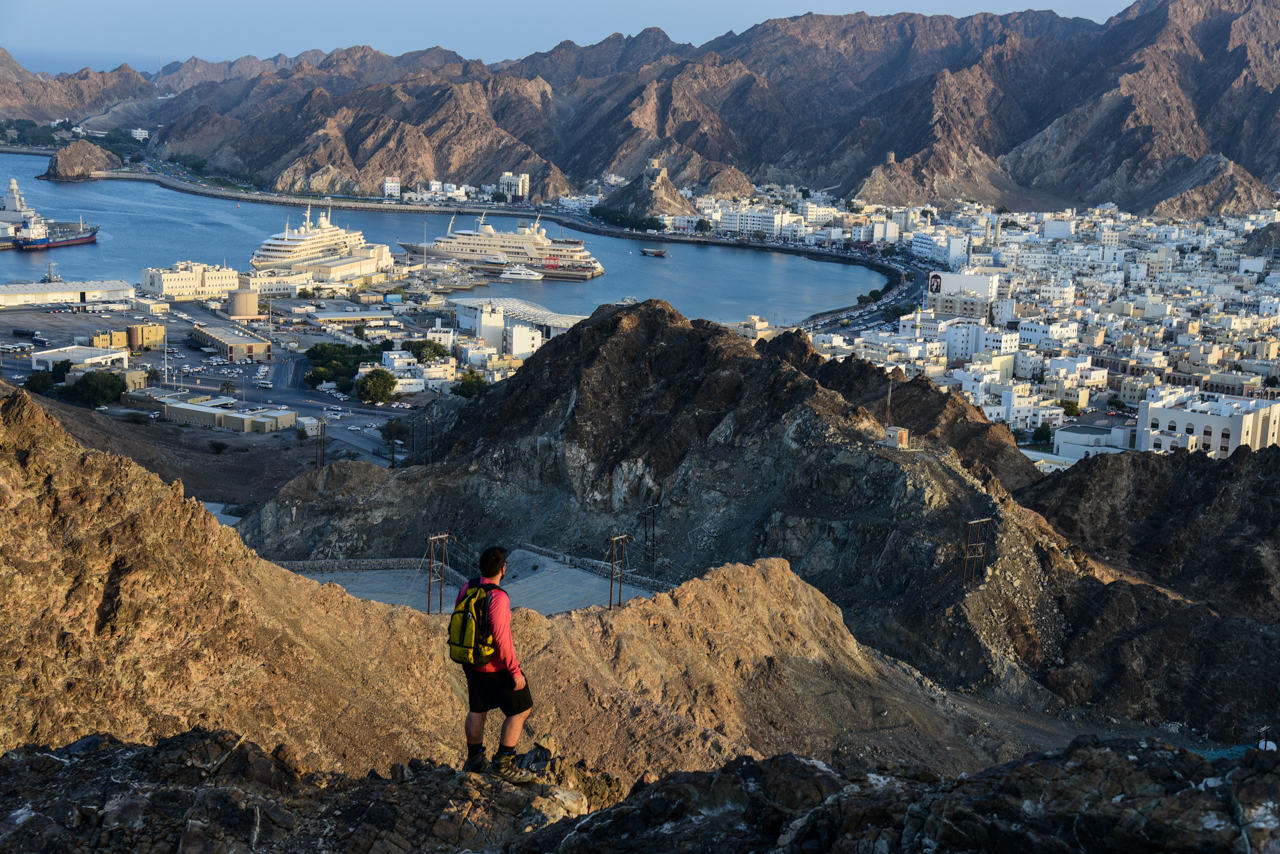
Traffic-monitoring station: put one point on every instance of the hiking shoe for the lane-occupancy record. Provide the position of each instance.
(477, 764)
(504, 766)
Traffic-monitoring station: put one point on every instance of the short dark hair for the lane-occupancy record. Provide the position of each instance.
(492, 561)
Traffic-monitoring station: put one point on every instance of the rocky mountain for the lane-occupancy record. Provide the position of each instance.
(1204, 528)
(210, 792)
(1165, 108)
(78, 161)
(179, 76)
(25, 96)
(651, 193)
(132, 612)
(638, 417)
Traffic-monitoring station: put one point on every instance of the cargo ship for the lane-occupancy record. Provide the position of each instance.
(36, 233)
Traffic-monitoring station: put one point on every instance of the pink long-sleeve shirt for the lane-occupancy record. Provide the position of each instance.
(500, 624)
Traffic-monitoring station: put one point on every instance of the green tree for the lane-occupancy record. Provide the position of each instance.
(702, 226)
(1070, 408)
(377, 385)
(874, 295)
(41, 382)
(227, 387)
(137, 157)
(60, 370)
(387, 345)
(1003, 209)
(911, 276)
(304, 293)
(1271, 381)
(301, 433)
(471, 384)
(98, 388)
(316, 376)
(393, 430)
(1042, 434)
(758, 234)
(358, 331)
(805, 193)
(218, 446)
(498, 197)
(425, 350)
(1115, 402)
(153, 375)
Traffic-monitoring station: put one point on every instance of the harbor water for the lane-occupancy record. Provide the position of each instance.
(144, 225)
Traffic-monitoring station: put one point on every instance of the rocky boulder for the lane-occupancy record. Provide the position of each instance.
(78, 161)
(1117, 797)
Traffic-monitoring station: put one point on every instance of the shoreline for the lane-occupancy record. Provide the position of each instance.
(892, 277)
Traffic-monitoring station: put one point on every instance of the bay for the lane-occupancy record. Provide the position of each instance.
(145, 225)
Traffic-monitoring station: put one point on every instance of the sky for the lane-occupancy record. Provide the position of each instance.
(143, 32)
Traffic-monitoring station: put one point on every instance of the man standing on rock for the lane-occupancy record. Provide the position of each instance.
(480, 639)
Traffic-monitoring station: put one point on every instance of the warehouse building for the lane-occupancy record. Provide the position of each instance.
(65, 292)
(243, 420)
(232, 343)
(88, 357)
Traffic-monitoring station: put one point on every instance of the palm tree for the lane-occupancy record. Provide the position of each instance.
(153, 375)
(227, 387)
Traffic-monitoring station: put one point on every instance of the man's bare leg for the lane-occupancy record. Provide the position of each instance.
(511, 728)
(475, 727)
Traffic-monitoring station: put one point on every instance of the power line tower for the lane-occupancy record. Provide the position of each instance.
(650, 520)
(437, 559)
(617, 564)
(977, 540)
(320, 444)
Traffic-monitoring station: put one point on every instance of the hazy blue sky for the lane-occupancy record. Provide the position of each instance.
(102, 35)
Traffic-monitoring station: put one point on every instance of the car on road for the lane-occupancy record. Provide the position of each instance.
(100, 409)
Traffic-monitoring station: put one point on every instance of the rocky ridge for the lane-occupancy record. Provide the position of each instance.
(78, 161)
(201, 792)
(650, 194)
(640, 417)
(1165, 109)
(133, 612)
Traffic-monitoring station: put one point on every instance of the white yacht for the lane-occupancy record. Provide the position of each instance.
(521, 273)
(527, 245)
(309, 242)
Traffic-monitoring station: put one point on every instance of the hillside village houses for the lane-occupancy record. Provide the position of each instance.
(1028, 315)
(1031, 315)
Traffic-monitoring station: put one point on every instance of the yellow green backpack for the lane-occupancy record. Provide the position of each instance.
(470, 637)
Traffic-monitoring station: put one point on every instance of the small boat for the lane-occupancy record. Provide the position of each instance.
(521, 273)
(654, 253)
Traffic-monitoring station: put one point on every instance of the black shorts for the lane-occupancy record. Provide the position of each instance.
(487, 691)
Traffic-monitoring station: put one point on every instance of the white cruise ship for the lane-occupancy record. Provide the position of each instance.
(307, 243)
(527, 245)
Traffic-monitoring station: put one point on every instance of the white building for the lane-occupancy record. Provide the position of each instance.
(1220, 423)
(65, 292)
(140, 134)
(391, 187)
(516, 187)
(188, 280)
(1079, 442)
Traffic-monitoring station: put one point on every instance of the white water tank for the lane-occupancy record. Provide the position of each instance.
(244, 303)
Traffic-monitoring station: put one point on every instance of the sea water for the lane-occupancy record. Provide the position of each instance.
(145, 225)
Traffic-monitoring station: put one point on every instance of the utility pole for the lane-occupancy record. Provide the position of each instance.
(320, 445)
(617, 564)
(437, 558)
(650, 520)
